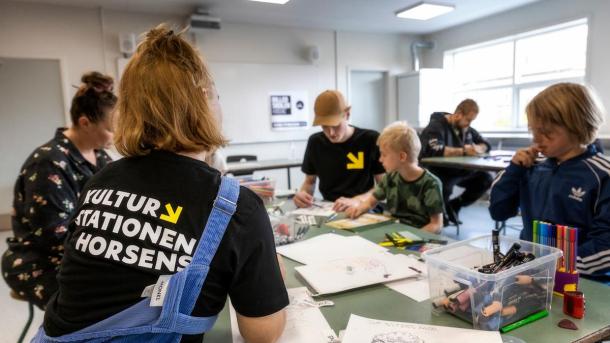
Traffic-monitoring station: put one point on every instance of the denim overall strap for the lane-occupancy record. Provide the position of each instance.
(196, 272)
(141, 322)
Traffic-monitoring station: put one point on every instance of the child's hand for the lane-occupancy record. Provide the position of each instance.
(303, 199)
(344, 203)
(354, 212)
(526, 157)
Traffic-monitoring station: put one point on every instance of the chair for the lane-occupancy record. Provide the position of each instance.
(18, 297)
(241, 158)
(598, 145)
(447, 222)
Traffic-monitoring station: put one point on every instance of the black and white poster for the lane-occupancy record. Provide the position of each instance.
(289, 110)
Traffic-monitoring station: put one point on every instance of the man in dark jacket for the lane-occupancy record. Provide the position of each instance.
(451, 135)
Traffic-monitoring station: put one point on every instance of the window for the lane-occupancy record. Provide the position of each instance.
(505, 74)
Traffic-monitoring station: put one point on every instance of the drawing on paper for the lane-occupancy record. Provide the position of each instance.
(396, 337)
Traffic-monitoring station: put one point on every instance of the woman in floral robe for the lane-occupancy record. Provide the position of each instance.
(48, 187)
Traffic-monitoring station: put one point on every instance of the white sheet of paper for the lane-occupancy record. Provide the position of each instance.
(304, 321)
(327, 247)
(353, 272)
(326, 210)
(365, 330)
(416, 289)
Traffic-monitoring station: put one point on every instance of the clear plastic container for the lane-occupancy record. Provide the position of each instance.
(490, 301)
(288, 228)
(265, 188)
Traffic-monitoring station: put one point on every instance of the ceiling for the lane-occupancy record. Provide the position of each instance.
(342, 15)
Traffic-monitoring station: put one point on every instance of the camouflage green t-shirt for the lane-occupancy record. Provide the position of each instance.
(412, 202)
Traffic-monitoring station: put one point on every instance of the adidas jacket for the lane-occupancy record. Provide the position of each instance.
(575, 193)
(439, 133)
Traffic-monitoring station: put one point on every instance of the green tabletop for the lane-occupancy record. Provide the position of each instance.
(380, 302)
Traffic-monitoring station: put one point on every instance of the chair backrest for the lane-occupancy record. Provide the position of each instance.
(241, 158)
(598, 145)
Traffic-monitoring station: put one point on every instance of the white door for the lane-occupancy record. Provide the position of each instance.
(367, 97)
(31, 108)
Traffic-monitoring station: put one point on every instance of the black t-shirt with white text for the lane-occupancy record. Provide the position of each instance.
(142, 217)
(344, 169)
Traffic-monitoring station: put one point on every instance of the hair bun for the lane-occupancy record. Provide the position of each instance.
(97, 81)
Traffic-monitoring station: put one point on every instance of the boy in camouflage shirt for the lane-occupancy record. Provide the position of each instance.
(413, 194)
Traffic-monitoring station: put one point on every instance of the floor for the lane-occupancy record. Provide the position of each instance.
(476, 222)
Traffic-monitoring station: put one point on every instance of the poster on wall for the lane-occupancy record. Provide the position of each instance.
(289, 110)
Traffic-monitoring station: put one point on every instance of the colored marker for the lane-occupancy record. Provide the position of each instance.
(525, 321)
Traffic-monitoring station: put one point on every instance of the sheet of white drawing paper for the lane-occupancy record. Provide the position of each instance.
(414, 288)
(353, 272)
(324, 209)
(327, 247)
(304, 321)
(365, 330)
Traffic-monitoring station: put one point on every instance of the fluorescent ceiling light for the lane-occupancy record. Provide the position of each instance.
(280, 2)
(424, 10)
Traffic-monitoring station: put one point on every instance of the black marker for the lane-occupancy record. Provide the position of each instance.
(509, 258)
(495, 239)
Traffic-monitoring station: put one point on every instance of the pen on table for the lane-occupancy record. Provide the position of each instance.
(415, 269)
(315, 204)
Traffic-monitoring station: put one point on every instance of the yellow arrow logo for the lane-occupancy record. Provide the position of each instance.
(357, 163)
(171, 216)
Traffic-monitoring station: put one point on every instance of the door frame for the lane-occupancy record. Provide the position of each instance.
(63, 78)
(387, 117)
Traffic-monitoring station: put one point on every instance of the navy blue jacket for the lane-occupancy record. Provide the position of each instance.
(575, 193)
(439, 133)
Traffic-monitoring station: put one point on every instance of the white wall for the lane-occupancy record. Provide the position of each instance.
(378, 52)
(531, 17)
(39, 31)
(37, 80)
(87, 39)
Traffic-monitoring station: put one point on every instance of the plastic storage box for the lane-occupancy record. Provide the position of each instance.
(490, 301)
(288, 228)
(265, 188)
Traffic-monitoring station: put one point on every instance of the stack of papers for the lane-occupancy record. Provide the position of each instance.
(328, 247)
(304, 321)
(365, 330)
(354, 272)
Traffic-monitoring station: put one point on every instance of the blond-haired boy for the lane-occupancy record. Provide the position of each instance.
(413, 194)
(572, 185)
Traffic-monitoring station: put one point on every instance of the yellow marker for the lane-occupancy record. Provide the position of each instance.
(171, 216)
(357, 163)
